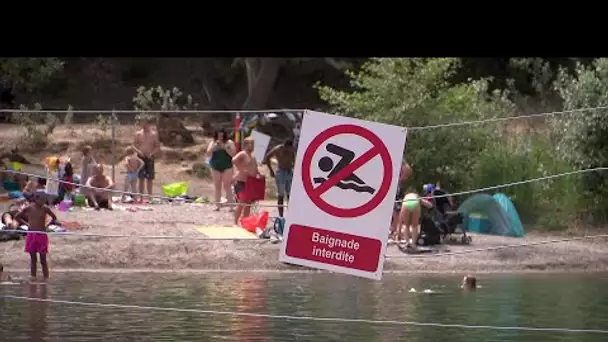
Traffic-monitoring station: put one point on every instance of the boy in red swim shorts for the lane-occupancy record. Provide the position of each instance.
(34, 216)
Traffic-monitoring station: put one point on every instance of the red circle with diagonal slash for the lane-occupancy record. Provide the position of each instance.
(378, 149)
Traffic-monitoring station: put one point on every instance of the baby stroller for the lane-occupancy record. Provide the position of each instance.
(441, 222)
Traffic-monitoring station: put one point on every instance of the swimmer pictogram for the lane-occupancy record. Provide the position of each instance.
(351, 181)
(342, 174)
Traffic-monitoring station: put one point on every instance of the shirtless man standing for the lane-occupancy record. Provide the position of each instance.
(286, 156)
(147, 145)
(245, 166)
(100, 198)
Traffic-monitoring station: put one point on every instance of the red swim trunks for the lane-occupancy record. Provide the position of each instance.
(250, 191)
(37, 243)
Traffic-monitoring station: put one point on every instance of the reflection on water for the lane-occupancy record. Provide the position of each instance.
(37, 312)
(575, 301)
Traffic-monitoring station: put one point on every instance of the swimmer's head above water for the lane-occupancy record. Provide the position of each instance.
(469, 282)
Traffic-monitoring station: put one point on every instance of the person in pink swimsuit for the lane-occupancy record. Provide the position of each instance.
(34, 216)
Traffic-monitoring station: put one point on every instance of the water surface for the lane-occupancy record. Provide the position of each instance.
(565, 301)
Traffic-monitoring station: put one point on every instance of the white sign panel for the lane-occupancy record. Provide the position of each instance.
(261, 142)
(342, 195)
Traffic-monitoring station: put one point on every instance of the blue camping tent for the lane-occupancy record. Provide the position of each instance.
(494, 215)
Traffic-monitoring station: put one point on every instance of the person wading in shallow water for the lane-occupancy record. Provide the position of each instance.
(286, 156)
(147, 145)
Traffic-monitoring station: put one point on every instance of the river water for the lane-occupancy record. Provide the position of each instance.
(564, 301)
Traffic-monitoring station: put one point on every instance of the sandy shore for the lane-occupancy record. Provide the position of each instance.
(103, 254)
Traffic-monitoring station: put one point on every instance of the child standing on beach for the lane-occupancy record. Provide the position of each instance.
(34, 216)
(133, 164)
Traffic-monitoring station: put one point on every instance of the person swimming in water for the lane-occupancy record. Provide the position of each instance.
(469, 282)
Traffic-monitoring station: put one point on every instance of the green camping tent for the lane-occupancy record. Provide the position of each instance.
(494, 215)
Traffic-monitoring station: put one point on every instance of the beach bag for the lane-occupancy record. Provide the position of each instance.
(175, 189)
(250, 223)
(79, 200)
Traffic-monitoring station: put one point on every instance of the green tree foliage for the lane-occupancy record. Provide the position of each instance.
(158, 98)
(422, 92)
(513, 157)
(417, 92)
(169, 126)
(37, 126)
(585, 135)
(28, 73)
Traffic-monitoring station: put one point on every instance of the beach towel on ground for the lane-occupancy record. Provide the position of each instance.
(219, 232)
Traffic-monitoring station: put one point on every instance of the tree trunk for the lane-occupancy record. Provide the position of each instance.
(252, 68)
(261, 84)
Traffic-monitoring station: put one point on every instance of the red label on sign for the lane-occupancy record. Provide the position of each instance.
(334, 248)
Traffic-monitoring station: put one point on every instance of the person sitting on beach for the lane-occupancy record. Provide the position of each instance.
(8, 217)
(133, 164)
(246, 167)
(469, 282)
(30, 187)
(34, 216)
(100, 187)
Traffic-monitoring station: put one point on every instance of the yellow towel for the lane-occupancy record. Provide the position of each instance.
(219, 232)
(15, 166)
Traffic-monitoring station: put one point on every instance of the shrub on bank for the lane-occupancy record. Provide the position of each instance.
(584, 141)
(416, 92)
